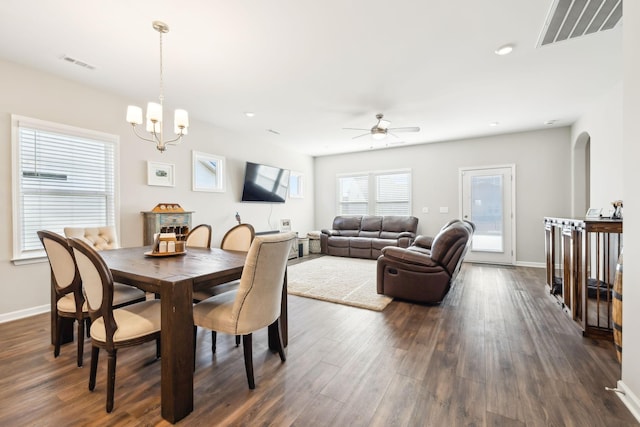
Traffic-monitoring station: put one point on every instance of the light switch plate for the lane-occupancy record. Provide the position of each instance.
(444, 209)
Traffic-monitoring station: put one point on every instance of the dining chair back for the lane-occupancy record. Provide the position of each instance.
(238, 238)
(100, 238)
(257, 301)
(199, 237)
(111, 328)
(67, 288)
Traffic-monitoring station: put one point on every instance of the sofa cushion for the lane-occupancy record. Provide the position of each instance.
(360, 243)
(371, 223)
(369, 234)
(347, 223)
(400, 223)
(339, 241)
(381, 243)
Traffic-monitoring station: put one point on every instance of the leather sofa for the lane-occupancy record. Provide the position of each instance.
(365, 236)
(425, 271)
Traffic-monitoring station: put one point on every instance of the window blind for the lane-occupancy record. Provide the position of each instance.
(65, 179)
(391, 190)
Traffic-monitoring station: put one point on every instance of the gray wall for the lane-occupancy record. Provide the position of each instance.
(28, 92)
(543, 180)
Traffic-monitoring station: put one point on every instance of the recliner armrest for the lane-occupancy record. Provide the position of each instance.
(423, 241)
(406, 234)
(408, 256)
(330, 232)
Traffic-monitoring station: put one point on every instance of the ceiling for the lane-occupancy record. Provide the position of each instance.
(309, 69)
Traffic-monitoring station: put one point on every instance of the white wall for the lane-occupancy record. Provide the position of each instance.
(28, 92)
(603, 123)
(542, 160)
(631, 154)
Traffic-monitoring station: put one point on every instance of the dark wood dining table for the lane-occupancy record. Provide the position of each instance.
(174, 278)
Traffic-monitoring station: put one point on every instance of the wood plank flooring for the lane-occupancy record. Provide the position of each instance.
(497, 352)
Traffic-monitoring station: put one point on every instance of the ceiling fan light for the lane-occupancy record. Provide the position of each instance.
(378, 135)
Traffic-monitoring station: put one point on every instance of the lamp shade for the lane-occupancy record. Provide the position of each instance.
(134, 115)
(181, 118)
(154, 112)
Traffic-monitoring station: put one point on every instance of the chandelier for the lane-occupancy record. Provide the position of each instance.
(154, 124)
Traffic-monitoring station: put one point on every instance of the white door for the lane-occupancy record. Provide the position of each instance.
(487, 201)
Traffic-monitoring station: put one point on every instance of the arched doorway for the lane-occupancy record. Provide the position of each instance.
(581, 175)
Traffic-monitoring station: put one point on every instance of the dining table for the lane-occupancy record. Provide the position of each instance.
(173, 279)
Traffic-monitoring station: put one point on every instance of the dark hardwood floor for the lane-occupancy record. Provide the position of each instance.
(497, 352)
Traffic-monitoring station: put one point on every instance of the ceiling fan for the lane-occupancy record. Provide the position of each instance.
(381, 129)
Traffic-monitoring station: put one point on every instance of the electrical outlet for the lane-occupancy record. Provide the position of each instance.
(425, 210)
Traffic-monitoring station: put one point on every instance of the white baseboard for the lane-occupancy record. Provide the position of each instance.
(21, 314)
(531, 264)
(630, 400)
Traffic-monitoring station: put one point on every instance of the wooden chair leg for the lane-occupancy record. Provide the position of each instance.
(279, 345)
(237, 340)
(111, 378)
(248, 359)
(95, 352)
(213, 341)
(158, 348)
(80, 341)
(56, 346)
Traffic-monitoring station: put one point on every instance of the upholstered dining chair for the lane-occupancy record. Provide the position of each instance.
(256, 303)
(238, 238)
(199, 237)
(67, 288)
(112, 329)
(100, 238)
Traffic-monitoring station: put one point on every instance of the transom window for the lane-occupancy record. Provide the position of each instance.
(62, 177)
(374, 193)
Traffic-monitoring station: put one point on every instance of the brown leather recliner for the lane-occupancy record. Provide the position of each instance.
(425, 274)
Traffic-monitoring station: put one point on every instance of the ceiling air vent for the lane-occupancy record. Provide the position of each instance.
(569, 19)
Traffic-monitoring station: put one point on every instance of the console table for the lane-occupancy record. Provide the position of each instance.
(581, 257)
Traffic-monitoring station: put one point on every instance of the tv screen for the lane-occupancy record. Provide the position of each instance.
(264, 183)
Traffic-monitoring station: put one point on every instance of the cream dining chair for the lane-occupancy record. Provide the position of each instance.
(67, 287)
(199, 237)
(100, 238)
(257, 301)
(112, 329)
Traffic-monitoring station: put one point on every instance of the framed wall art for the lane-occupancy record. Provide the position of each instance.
(208, 172)
(160, 174)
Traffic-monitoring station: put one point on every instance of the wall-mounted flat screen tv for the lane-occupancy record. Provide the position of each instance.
(264, 183)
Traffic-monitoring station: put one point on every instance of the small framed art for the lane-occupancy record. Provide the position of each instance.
(160, 174)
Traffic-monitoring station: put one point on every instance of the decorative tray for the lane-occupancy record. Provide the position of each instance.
(151, 253)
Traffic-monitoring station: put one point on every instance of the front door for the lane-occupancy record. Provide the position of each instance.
(487, 200)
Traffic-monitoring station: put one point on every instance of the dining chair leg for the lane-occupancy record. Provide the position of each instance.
(80, 341)
(56, 346)
(95, 352)
(158, 348)
(279, 344)
(111, 378)
(213, 341)
(248, 359)
(237, 340)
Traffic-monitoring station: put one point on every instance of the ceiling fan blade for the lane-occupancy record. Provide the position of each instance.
(383, 124)
(364, 134)
(406, 129)
(355, 129)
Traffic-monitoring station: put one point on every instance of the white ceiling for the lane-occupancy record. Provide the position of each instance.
(310, 68)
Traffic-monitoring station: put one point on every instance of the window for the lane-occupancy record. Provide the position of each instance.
(62, 177)
(391, 192)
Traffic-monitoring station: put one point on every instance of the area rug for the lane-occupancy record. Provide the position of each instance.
(348, 281)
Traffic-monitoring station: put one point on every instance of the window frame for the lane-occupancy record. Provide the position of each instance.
(20, 255)
(372, 189)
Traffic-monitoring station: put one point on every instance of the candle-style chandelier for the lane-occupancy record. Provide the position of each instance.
(154, 124)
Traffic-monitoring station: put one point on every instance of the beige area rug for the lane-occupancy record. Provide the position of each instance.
(349, 281)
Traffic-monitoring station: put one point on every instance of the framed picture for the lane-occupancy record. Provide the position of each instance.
(208, 172)
(296, 185)
(160, 174)
(594, 213)
(285, 225)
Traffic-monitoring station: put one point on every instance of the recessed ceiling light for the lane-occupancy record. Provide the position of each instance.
(249, 114)
(494, 124)
(550, 122)
(504, 50)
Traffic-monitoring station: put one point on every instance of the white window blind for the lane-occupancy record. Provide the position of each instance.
(391, 192)
(63, 177)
